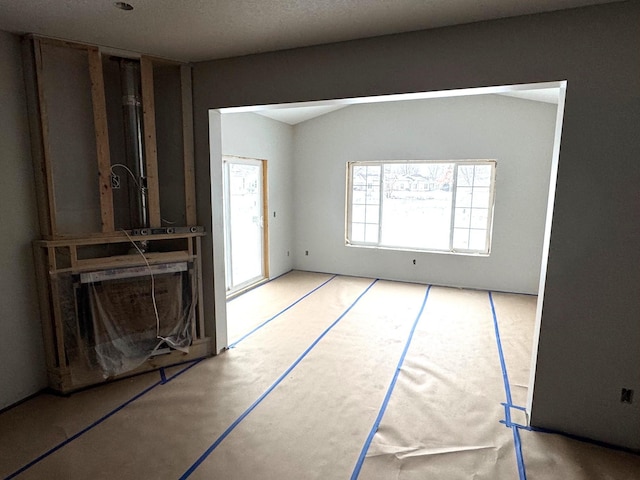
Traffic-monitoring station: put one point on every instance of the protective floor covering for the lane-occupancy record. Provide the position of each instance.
(314, 391)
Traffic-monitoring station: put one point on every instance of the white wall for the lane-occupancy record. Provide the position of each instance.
(519, 134)
(22, 369)
(254, 136)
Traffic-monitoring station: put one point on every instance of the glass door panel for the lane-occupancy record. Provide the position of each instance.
(244, 222)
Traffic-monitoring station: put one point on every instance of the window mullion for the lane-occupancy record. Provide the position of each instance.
(454, 187)
(473, 191)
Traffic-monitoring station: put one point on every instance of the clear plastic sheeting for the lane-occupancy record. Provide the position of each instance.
(111, 324)
(124, 329)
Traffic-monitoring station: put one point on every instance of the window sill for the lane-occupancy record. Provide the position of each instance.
(416, 250)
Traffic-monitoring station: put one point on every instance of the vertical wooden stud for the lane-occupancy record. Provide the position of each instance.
(187, 140)
(102, 139)
(46, 316)
(150, 146)
(35, 129)
(46, 166)
(57, 310)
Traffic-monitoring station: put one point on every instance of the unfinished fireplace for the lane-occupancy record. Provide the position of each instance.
(119, 260)
(126, 316)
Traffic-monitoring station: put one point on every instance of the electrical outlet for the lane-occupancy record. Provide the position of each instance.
(626, 395)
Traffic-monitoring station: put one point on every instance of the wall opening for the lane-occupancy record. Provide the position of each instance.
(294, 113)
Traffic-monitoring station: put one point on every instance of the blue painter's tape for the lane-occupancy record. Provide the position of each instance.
(507, 414)
(387, 397)
(505, 377)
(516, 435)
(233, 345)
(163, 377)
(237, 421)
(97, 422)
(520, 458)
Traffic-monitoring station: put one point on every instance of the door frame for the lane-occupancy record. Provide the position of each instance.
(226, 159)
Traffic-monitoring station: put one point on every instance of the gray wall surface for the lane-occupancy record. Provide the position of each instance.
(72, 144)
(254, 136)
(22, 368)
(519, 134)
(590, 332)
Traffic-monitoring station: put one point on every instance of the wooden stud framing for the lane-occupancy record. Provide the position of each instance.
(46, 166)
(115, 237)
(35, 127)
(60, 43)
(150, 147)
(187, 141)
(42, 279)
(102, 139)
(73, 256)
(57, 312)
(52, 272)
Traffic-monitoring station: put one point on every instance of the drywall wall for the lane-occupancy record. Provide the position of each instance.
(519, 134)
(72, 145)
(254, 136)
(22, 369)
(589, 328)
(170, 149)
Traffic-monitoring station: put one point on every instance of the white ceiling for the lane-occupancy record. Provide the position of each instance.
(301, 112)
(196, 30)
(295, 115)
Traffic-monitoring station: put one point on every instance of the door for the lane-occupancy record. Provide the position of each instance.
(244, 198)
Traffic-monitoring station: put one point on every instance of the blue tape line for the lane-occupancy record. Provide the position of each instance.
(237, 421)
(387, 397)
(163, 377)
(232, 345)
(518, 446)
(517, 425)
(516, 435)
(96, 423)
(505, 377)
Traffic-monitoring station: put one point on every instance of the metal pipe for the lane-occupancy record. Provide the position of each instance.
(132, 113)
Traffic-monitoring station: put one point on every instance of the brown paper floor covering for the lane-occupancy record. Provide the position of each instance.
(298, 397)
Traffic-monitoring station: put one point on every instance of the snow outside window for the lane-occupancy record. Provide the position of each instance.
(442, 206)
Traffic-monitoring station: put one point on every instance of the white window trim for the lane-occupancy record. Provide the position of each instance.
(451, 250)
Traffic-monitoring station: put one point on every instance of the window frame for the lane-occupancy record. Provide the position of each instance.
(454, 187)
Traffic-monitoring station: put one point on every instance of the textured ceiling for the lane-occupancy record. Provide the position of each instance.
(195, 30)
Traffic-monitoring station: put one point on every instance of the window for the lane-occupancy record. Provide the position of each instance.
(421, 205)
